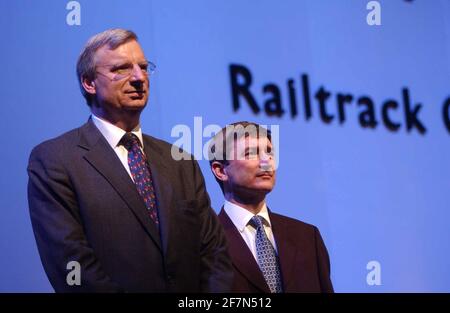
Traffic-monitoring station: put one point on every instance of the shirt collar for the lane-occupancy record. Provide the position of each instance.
(241, 216)
(114, 134)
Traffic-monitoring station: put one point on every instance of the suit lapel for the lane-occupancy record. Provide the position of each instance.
(163, 189)
(241, 255)
(286, 250)
(103, 158)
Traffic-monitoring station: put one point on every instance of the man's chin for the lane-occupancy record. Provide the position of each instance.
(265, 187)
(260, 189)
(135, 105)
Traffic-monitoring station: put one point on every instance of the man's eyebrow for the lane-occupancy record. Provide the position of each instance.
(114, 64)
(247, 148)
(118, 64)
(127, 62)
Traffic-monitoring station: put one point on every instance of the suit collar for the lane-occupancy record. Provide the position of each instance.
(241, 256)
(241, 216)
(244, 261)
(287, 251)
(103, 158)
(163, 188)
(114, 134)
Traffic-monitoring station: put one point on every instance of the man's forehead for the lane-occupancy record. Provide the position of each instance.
(127, 51)
(252, 141)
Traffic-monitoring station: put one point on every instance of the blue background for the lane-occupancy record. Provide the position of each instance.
(374, 194)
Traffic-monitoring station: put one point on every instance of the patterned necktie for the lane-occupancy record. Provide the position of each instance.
(267, 258)
(141, 173)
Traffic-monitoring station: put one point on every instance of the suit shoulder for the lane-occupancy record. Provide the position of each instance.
(293, 223)
(167, 149)
(51, 148)
(159, 143)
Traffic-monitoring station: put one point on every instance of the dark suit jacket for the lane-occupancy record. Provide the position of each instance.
(84, 207)
(304, 261)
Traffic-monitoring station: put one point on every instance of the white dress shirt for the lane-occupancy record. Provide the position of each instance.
(241, 218)
(113, 135)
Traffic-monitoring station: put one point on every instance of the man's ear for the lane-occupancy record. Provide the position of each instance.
(218, 170)
(88, 85)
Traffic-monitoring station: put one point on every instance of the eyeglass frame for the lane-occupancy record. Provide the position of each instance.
(115, 68)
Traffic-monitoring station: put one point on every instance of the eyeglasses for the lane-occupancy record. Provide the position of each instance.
(125, 70)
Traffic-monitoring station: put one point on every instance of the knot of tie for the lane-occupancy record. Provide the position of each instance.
(257, 221)
(130, 140)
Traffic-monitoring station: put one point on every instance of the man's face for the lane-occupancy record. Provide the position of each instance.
(115, 90)
(252, 170)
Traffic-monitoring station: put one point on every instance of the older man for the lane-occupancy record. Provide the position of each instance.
(113, 200)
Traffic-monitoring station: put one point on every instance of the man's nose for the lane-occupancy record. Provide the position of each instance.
(137, 74)
(265, 164)
(266, 161)
(265, 157)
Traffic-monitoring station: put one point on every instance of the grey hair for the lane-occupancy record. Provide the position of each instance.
(86, 61)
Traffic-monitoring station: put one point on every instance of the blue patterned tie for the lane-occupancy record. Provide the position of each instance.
(141, 173)
(267, 257)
